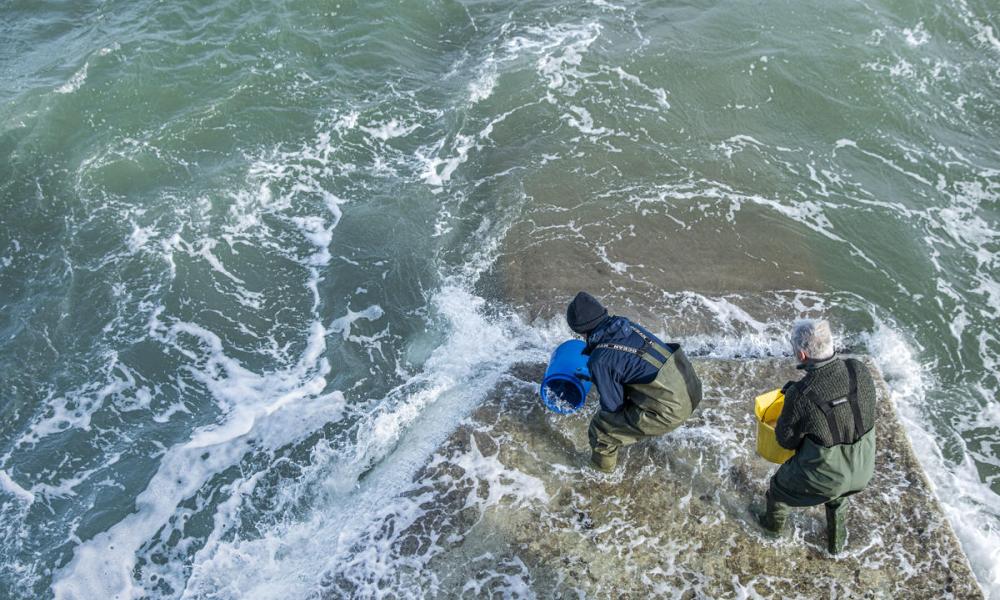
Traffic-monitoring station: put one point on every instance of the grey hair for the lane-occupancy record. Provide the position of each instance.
(813, 337)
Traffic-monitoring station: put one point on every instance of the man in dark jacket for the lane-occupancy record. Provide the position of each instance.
(647, 388)
(829, 420)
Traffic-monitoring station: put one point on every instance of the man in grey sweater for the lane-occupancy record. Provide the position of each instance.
(829, 420)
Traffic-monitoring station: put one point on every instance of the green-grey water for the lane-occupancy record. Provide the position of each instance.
(258, 259)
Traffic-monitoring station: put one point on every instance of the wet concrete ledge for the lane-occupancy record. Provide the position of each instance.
(510, 504)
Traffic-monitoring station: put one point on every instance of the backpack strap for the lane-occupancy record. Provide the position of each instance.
(826, 407)
(643, 353)
(651, 343)
(640, 352)
(852, 397)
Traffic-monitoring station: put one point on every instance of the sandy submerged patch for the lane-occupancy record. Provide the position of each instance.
(508, 508)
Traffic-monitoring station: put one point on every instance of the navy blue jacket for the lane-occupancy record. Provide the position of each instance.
(611, 369)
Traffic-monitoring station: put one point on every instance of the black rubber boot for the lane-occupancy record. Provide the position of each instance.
(772, 517)
(836, 525)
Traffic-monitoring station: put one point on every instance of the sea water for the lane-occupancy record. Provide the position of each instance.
(258, 261)
(563, 397)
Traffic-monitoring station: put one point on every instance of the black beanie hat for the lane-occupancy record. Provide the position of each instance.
(585, 313)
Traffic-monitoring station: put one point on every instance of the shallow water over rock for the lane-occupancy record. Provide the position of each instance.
(508, 506)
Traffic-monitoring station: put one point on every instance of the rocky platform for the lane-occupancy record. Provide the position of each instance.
(508, 508)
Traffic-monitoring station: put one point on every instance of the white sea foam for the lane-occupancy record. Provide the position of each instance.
(66, 487)
(109, 49)
(743, 142)
(659, 94)
(509, 578)
(8, 260)
(346, 121)
(482, 87)
(392, 128)
(917, 36)
(75, 81)
(581, 119)
(11, 487)
(342, 325)
(886, 161)
(409, 424)
(985, 35)
(139, 237)
(616, 266)
(75, 408)
(560, 49)
(437, 171)
(259, 410)
(608, 5)
(970, 506)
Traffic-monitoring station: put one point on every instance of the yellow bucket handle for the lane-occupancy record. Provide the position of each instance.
(766, 410)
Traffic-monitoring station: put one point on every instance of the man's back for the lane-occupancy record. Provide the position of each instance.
(820, 406)
(612, 367)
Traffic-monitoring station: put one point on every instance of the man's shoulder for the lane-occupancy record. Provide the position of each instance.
(865, 378)
(798, 391)
(836, 374)
(622, 325)
(618, 330)
(631, 327)
(859, 366)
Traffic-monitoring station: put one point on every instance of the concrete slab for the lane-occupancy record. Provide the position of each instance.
(509, 506)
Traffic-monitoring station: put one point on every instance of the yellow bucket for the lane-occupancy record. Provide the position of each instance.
(768, 407)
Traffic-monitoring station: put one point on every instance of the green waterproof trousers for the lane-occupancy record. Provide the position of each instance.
(818, 475)
(651, 409)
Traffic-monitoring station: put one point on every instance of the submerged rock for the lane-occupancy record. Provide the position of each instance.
(509, 508)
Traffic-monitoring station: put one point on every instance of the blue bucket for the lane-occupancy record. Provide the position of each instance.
(567, 380)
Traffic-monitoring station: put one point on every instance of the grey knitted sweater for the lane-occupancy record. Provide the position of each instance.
(827, 380)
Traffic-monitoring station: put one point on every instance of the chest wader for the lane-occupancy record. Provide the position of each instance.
(650, 409)
(826, 475)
